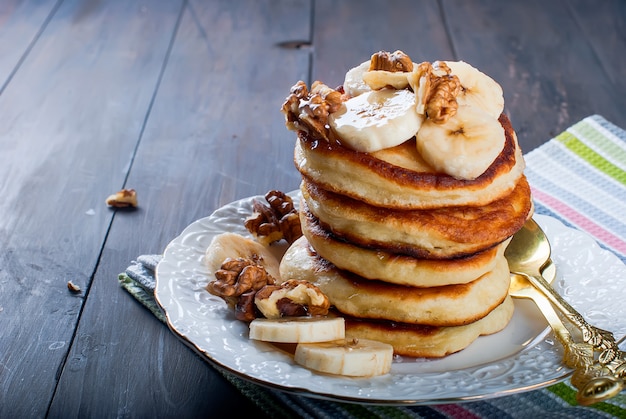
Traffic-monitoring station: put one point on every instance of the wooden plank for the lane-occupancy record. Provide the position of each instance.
(21, 21)
(69, 123)
(604, 26)
(349, 32)
(215, 134)
(550, 73)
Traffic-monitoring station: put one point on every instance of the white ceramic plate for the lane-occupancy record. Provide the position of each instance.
(522, 357)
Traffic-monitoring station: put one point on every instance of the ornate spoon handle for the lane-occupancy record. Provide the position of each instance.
(595, 381)
(577, 356)
(601, 339)
(596, 385)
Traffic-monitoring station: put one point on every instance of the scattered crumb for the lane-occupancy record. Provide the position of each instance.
(72, 287)
(123, 198)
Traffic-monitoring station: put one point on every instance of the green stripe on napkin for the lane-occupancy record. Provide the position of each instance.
(592, 157)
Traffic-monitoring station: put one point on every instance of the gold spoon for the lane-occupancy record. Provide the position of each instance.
(594, 384)
(576, 355)
(528, 255)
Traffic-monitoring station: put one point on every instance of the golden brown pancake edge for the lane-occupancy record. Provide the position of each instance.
(370, 179)
(448, 232)
(397, 268)
(430, 342)
(448, 305)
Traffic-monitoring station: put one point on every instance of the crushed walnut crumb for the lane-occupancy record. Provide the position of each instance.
(123, 198)
(73, 287)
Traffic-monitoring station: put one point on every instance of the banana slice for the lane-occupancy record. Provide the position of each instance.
(477, 88)
(376, 120)
(353, 84)
(464, 146)
(232, 245)
(298, 329)
(360, 79)
(351, 357)
(379, 79)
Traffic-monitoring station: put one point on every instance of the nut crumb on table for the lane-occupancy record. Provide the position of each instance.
(122, 199)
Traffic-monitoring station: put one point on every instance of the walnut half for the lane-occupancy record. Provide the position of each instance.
(308, 111)
(236, 282)
(237, 277)
(274, 221)
(435, 90)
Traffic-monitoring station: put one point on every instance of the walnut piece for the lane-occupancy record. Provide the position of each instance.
(435, 91)
(237, 277)
(123, 198)
(291, 298)
(396, 61)
(237, 282)
(308, 111)
(245, 309)
(252, 292)
(331, 97)
(274, 221)
(73, 287)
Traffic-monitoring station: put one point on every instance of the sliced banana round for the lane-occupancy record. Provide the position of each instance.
(376, 120)
(464, 146)
(350, 357)
(379, 79)
(298, 329)
(477, 88)
(360, 79)
(353, 84)
(232, 245)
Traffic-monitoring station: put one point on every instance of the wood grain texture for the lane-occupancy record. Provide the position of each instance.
(21, 22)
(348, 33)
(214, 134)
(69, 123)
(548, 69)
(603, 24)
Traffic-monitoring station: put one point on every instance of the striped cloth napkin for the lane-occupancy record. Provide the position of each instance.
(578, 177)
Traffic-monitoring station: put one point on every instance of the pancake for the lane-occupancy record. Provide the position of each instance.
(426, 341)
(399, 178)
(397, 268)
(448, 305)
(447, 232)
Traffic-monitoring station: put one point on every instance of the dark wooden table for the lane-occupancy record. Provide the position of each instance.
(180, 101)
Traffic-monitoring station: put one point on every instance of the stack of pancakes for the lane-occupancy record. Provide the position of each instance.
(409, 256)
